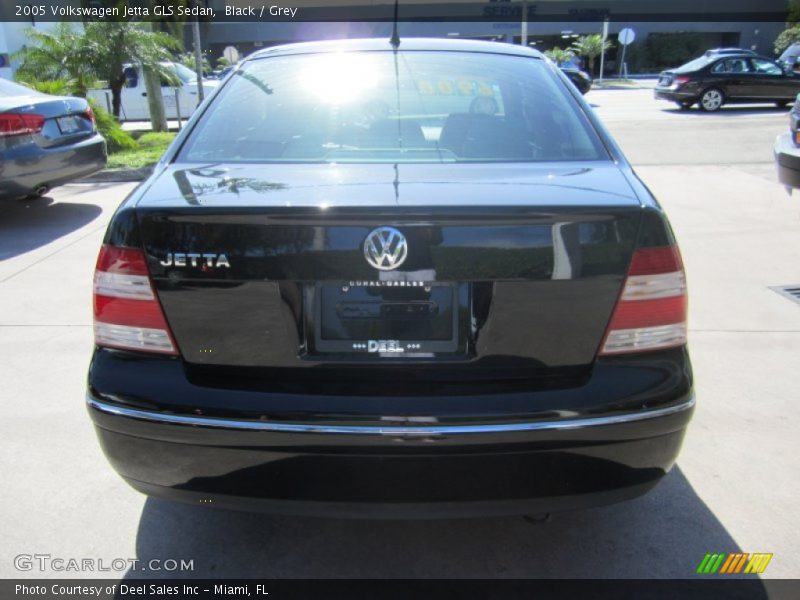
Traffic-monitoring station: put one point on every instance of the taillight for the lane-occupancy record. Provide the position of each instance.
(20, 124)
(127, 314)
(90, 114)
(681, 79)
(651, 312)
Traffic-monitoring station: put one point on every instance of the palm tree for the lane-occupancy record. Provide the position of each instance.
(590, 46)
(559, 55)
(57, 55)
(100, 51)
(113, 44)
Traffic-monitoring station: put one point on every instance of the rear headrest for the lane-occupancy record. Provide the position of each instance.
(475, 135)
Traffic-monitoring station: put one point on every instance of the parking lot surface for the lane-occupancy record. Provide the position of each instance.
(735, 487)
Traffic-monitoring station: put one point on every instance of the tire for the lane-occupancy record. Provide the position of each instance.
(712, 100)
(683, 105)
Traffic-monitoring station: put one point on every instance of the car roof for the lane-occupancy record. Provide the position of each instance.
(744, 55)
(729, 51)
(793, 50)
(367, 45)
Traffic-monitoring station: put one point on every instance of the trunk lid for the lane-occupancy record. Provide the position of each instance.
(665, 78)
(510, 266)
(65, 118)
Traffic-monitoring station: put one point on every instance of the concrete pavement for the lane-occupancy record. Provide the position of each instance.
(735, 487)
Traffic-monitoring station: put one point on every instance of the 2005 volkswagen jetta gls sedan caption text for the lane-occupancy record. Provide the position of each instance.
(378, 281)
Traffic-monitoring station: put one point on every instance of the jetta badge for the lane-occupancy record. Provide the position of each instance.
(385, 248)
(196, 259)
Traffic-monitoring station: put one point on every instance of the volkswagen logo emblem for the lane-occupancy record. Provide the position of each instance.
(385, 248)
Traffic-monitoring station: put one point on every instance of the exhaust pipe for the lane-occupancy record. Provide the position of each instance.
(41, 190)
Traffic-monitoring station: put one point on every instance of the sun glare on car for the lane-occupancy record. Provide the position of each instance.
(339, 78)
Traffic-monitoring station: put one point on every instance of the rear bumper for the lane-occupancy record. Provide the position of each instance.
(401, 466)
(26, 168)
(673, 95)
(787, 160)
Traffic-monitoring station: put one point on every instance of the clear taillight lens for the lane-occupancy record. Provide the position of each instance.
(651, 312)
(127, 314)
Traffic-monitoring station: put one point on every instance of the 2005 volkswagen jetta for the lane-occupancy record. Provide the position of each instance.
(370, 280)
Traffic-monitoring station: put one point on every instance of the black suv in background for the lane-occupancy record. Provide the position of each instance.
(718, 79)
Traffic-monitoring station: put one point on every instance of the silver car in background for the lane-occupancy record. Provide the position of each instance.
(45, 141)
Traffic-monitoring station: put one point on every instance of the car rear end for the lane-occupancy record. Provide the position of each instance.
(685, 84)
(787, 150)
(45, 141)
(676, 87)
(427, 326)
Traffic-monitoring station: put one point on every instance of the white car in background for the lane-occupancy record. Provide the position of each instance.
(183, 98)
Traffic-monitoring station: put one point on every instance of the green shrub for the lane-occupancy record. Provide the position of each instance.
(56, 87)
(151, 139)
(673, 49)
(786, 38)
(636, 57)
(117, 139)
(149, 148)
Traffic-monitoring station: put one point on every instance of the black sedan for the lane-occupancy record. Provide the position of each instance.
(712, 81)
(45, 141)
(580, 79)
(343, 291)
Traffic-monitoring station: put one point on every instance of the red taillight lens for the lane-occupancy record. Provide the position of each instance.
(681, 79)
(651, 261)
(90, 115)
(20, 124)
(651, 312)
(127, 314)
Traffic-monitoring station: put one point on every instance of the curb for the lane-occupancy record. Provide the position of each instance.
(620, 87)
(119, 175)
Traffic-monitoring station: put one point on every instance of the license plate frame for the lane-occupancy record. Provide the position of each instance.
(383, 346)
(69, 125)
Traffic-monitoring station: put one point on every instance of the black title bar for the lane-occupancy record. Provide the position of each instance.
(629, 11)
(397, 589)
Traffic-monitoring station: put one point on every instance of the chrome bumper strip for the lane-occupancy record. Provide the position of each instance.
(388, 430)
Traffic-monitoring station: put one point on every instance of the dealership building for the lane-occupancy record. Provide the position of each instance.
(549, 23)
(721, 23)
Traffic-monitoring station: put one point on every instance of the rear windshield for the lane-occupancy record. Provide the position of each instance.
(697, 63)
(393, 107)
